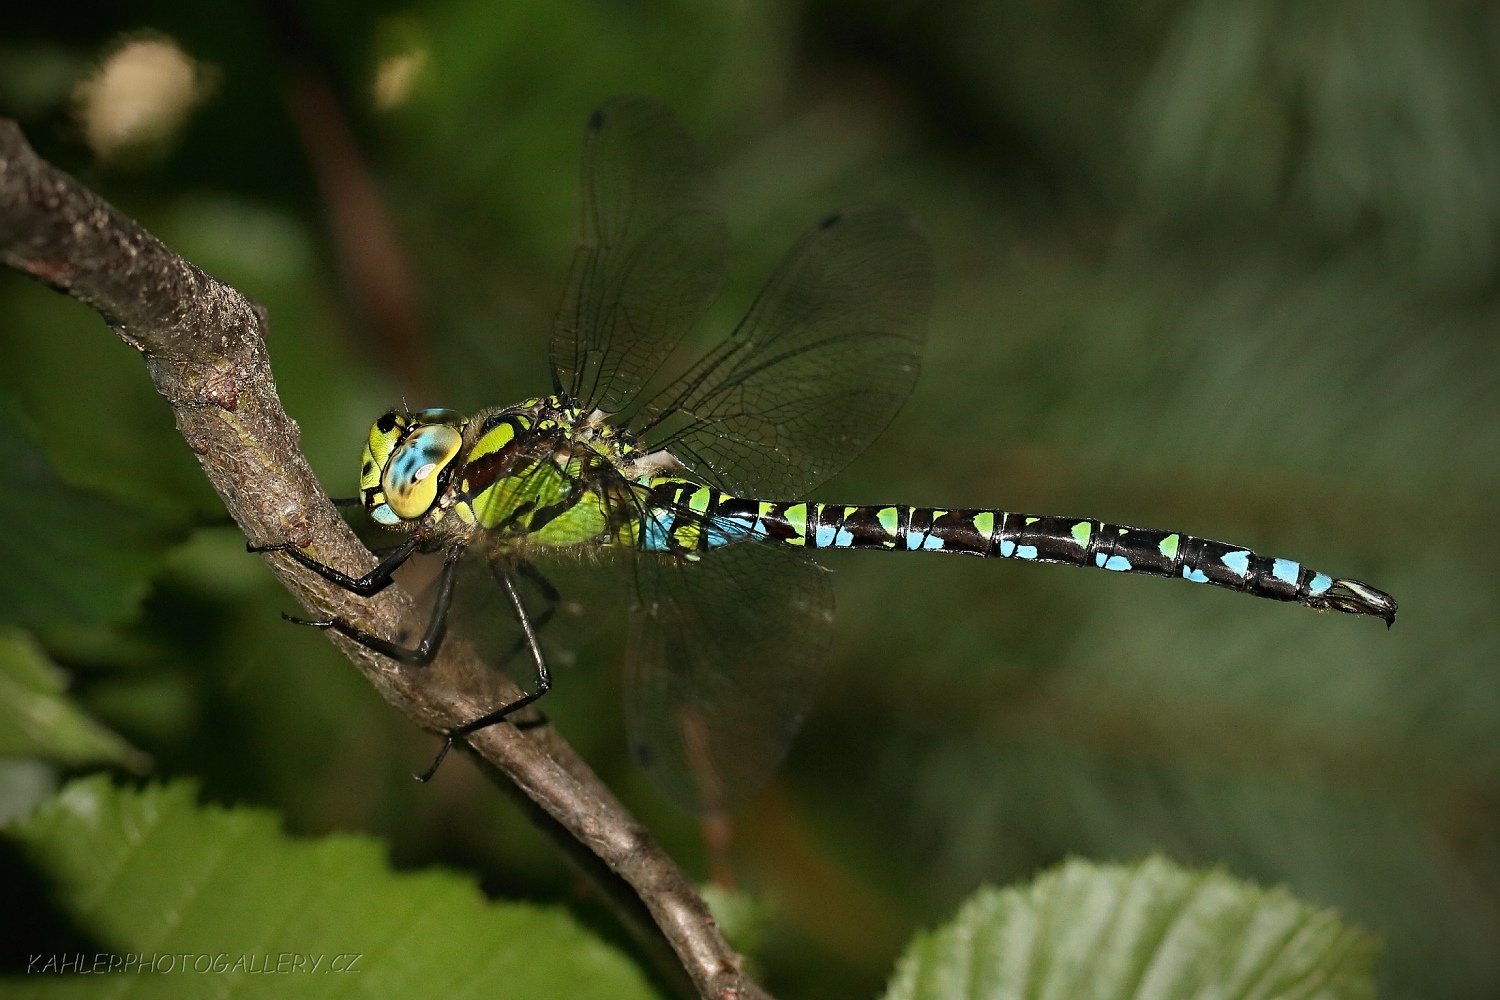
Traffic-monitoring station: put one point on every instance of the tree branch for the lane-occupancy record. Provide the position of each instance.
(203, 346)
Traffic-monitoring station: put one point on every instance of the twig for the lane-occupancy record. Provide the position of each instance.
(375, 269)
(380, 285)
(203, 346)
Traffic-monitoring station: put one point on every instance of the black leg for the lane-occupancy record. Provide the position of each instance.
(543, 681)
(549, 594)
(347, 501)
(432, 639)
(385, 550)
(368, 585)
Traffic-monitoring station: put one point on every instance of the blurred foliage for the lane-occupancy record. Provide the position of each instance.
(92, 568)
(37, 720)
(246, 900)
(1227, 266)
(1150, 930)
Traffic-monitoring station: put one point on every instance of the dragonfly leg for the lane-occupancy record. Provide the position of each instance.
(549, 594)
(432, 638)
(543, 679)
(368, 585)
(382, 551)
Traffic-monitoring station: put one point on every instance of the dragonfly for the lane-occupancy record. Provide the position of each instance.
(690, 490)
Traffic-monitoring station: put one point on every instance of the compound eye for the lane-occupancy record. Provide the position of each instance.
(411, 477)
(438, 415)
(384, 433)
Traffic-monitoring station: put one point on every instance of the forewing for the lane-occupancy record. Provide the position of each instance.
(817, 369)
(591, 596)
(726, 654)
(481, 614)
(651, 259)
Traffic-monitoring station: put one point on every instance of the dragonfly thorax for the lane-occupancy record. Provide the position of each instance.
(419, 468)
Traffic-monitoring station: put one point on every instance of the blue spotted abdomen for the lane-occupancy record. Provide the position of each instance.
(691, 518)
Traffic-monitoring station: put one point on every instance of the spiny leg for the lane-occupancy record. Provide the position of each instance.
(432, 638)
(553, 600)
(543, 678)
(549, 594)
(384, 550)
(368, 585)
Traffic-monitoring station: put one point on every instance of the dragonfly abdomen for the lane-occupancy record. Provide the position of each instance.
(705, 518)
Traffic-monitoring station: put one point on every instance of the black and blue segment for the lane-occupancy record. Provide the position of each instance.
(688, 518)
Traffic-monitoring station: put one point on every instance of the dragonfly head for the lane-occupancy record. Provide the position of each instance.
(408, 463)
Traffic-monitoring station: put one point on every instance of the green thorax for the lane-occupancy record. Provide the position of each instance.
(549, 472)
(544, 471)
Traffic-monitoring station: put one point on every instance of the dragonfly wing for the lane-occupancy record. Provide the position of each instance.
(567, 602)
(651, 259)
(816, 370)
(726, 655)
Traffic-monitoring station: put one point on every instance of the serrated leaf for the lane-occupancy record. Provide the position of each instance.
(1152, 931)
(153, 873)
(38, 719)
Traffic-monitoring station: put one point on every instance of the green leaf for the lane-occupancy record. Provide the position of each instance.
(1152, 931)
(88, 404)
(153, 873)
(744, 919)
(79, 560)
(38, 719)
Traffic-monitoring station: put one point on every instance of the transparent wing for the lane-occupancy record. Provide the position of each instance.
(725, 656)
(725, 652)
(651, 258)
(816, 370)
(481, 613)
(569, 596)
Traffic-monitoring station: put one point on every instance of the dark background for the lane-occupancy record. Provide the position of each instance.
(1226, 266)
